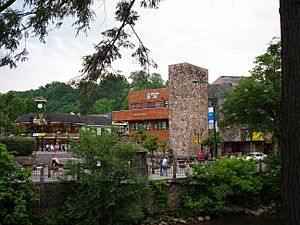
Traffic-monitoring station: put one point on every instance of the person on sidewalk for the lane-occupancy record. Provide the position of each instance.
(55, 160)
(54, 165)
(164, 166)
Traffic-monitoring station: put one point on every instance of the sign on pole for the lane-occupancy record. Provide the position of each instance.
(211, 117)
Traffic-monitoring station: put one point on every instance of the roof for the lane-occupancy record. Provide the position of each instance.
(49, 117)
(40, 99)
(97, 119)
(223, 84)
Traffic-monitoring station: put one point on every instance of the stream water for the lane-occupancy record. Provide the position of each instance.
(244, 220)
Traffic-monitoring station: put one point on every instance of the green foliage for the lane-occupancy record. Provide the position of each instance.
(102, 106)
(209, 141)
(215, 187)
(114, 87)
(254, 103)
(19, 146)
(161, 194)
(148, 141)
(163, 145)
(61, 97)
(272, 178)
(108, 189)
(11, 107)
(17, 193)
(141, 80)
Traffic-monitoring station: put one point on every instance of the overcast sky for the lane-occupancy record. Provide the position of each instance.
(223, 36)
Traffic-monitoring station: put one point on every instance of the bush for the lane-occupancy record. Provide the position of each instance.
(272, 179)
(161, 194)
(215, 187)
(19, 146)
(17, 192)
(108, 190)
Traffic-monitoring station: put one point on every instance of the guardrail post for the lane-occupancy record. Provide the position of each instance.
(174, 169)
(260, 166)
(42, 178)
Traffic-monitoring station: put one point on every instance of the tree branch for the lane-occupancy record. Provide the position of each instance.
(112, 42)
(6, 5)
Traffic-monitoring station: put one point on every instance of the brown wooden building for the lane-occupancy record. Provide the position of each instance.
(50, 128)
(147, 109)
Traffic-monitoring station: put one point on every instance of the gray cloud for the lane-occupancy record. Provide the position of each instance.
(223, 36)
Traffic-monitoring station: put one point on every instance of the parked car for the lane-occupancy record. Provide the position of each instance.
(256, 156)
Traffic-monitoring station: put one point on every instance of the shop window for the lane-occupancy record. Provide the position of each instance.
(160, 125)
(135, 126)
(147, 126)
(164, 125)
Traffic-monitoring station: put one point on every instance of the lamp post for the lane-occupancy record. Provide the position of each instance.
(214, 114)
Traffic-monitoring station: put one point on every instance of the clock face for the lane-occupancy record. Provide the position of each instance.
(40, 105)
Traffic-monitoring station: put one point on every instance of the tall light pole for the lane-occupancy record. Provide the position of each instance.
(213, 154)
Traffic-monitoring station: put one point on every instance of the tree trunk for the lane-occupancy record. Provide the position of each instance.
(290, 111)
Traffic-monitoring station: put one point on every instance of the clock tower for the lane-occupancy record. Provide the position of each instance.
(40, 103)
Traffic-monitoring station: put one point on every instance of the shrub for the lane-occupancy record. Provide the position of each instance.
(272, 179)
(215, 187)
(161, 194)
(17, 192)
(108, 190)
(19, 146)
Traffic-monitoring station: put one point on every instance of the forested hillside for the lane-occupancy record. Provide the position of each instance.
(110, 94)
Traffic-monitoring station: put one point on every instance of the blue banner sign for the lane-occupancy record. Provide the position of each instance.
(211, 115)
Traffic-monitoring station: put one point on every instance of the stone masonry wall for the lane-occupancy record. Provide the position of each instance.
(188, 107)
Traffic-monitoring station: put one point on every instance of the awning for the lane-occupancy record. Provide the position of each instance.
(49, 136)
(38, 134)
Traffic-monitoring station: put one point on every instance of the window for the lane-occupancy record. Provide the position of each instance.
(166, 103)
(135, 106)
(161, 125)
(135, 126)
(155, 125)
(150, 105)
(164, 125)
(145, 105)
(156, 104)
(147, 126)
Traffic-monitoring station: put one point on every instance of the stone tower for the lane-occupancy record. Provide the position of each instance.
(188, 107)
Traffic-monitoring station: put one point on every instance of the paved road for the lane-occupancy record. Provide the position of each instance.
(45, 157)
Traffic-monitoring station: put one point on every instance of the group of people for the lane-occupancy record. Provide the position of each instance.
(55, 148)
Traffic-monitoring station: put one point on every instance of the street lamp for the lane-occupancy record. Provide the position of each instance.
(214, 114)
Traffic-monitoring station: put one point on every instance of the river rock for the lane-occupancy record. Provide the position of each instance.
(237, 209)
(200, 219)
(175, 220)
(259, 212)
(163, 223)
(207, 217)
(182, 221)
